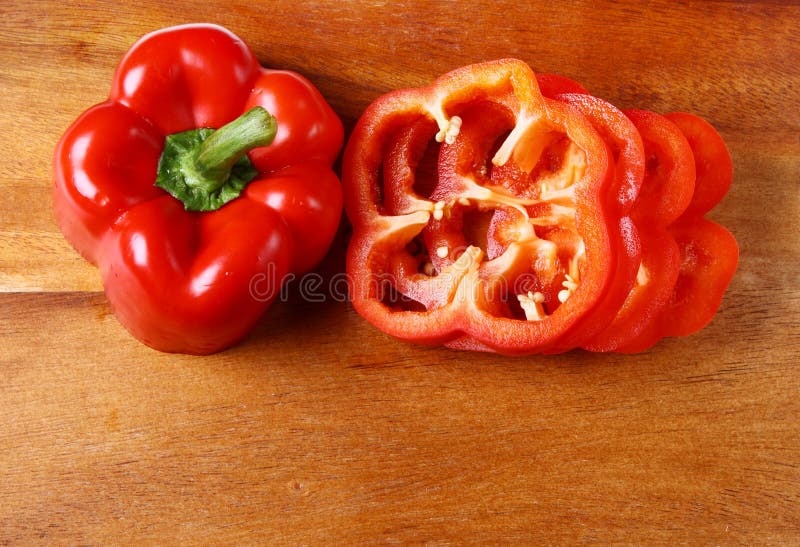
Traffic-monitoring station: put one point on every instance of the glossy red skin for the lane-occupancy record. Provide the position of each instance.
(553, 85)
(712, 161)
(310, 130)
(363, 158)
(308, 197)
(177, 283)
(664, 195)
(185, 77)
(709, 253)
(623, 140)
(103, 165)
(181, 281)
(670, 170)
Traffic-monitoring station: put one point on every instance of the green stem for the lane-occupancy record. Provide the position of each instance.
(205, 169)
(229, 143)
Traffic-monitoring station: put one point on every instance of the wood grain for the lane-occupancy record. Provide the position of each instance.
(318, 428)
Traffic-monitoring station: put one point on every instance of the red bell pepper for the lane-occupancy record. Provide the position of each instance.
(702, 255)
(506, 247)
(664, 195)
(709, 256)
(622, 138)
(708, 252)
(712, 162)
(495, 210)
(173, 192)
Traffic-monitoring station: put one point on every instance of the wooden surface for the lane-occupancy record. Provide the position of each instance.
(319, 429)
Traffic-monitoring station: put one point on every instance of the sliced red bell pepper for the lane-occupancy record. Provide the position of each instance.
(709, 253)
(446, 235)
(506, 245)
(709, 256)
(664, 195)
(192, 271)
(657, 274)
(626, 145)
(670, 178)
(712, 161)
(622, 138)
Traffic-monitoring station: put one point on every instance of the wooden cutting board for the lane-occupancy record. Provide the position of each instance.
(320, 429)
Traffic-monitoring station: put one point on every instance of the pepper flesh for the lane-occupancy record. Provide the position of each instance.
(183, 281)
(708, 253)
(534, 199)
(497, 210)
(665, 193)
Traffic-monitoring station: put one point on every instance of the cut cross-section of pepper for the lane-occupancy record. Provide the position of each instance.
(480, 212)
(498, 210)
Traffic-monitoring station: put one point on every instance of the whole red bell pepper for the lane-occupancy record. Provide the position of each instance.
(198, 185)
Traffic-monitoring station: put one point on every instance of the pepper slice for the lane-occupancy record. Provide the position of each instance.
(709, 253)
(534, 189)
(625, 144)
(709, 256)
(505, 246)
(665, 193)
(712, 161)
